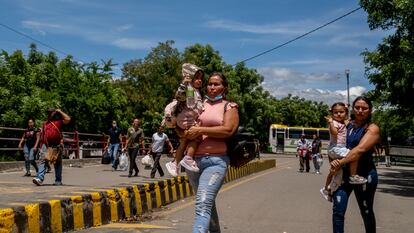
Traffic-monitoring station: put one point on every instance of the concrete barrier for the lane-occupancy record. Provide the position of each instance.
(97, 208)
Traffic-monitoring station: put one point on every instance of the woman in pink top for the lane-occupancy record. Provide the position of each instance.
(216, 124)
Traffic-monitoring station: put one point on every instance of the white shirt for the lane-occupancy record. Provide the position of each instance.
(158, 141)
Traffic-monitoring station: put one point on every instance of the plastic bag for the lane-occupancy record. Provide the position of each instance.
(123, 162)
(320, 161)
(147, 160)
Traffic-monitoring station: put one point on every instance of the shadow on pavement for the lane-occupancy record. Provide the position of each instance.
(397, 181)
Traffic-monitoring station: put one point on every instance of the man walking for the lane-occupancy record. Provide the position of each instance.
(114, 141)
(157, 146)
(135, 137)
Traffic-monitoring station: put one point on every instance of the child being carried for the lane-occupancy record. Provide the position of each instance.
(182, 114)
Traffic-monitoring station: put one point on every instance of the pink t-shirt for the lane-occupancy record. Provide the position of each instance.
(341, 137)
(213, 115)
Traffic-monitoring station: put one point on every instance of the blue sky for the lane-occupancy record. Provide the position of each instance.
(312, 67)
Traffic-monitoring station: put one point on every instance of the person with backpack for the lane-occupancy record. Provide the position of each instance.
(218, 121)
(30, 139)
(52, 139)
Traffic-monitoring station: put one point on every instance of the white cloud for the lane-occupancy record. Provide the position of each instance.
(40, 27)
(278, 75)
(287, 28)
(282, 81)
(353, 91)
(105, 35)
(124, 27)
(132, 43)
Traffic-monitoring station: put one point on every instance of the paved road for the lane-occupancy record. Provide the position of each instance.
(284, 200)
(15, 189)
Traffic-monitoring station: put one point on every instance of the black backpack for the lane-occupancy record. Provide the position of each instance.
(241, 147)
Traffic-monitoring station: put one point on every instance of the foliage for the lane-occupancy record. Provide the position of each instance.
(156, 78)
(28, 86)
(391, 66)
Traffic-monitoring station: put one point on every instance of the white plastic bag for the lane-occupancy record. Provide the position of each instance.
(147, 160)
(123, 162)
(320, 161)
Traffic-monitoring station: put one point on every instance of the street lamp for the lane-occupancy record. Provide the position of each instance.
(347, 86)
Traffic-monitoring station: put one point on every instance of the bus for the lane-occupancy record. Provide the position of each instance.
(283, 138)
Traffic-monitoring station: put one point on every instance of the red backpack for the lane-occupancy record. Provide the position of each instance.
(51, 133)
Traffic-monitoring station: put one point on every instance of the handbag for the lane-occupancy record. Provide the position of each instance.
(52, 155)
(241, 147)
(106, 159)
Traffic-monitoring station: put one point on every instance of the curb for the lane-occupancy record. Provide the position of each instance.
(98, 208)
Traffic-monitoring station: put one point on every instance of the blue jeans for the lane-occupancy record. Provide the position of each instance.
(365, 199)
(29, 158)
(42, 166)
(113, 151)
(206, 184)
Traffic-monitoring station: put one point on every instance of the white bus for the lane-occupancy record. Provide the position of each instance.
(283, 138)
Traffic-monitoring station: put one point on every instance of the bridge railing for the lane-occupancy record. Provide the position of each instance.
(77, 145)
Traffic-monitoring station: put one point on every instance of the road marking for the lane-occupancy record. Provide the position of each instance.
(136, 226)
(229, 187)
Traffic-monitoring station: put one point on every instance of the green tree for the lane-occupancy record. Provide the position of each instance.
(391, 66)
(150, 83)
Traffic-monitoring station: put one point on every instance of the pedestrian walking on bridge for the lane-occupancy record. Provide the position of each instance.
(52, 138)
(30, 139)
(157, 147)
(303, 150)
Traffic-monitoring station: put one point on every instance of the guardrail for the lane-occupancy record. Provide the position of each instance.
(403, 153)
(77, 145)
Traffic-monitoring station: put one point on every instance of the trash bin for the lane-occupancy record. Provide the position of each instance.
(269, 149)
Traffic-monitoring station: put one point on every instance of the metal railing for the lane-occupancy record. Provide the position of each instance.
(77, 145)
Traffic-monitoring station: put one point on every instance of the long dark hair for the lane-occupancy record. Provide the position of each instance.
(32, 119)
(368, 101)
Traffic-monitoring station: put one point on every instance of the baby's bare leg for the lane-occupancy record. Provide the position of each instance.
(179, 153)
(192, 147)
(329, 179)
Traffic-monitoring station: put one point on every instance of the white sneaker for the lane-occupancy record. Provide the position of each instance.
(356, 179)
(325, 194)
(37, 181)
(188, 163)
(172, 168)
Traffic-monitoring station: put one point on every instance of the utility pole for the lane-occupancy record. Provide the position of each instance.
(347, 86)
